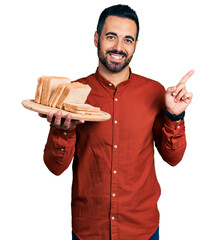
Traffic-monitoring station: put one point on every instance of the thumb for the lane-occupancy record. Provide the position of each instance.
(42, 115)
(171, 89)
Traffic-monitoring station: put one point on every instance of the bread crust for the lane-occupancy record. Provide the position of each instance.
(69, 108)
(46, 91)
(39, 90)
(56, 95)
(82, 107)
(74, 92)
(55, 91)
(46, 87)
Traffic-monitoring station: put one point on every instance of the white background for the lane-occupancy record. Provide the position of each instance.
(49, 37)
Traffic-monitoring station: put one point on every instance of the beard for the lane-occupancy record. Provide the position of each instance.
(113, 66)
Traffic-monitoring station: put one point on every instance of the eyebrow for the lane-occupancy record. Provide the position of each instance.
(130, 37)
(127, 36)
(111, 33)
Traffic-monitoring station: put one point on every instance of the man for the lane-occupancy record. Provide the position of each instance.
(115, 189)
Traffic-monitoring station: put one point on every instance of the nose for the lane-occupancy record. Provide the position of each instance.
(119, 45)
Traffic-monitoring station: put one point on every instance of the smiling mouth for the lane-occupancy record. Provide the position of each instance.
(116, 56)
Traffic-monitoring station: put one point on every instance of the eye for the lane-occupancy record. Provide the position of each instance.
(111, 37)
(128, 41)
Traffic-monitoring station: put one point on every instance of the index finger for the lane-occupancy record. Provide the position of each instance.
(186, 77)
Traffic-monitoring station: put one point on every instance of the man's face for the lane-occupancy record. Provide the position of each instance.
(117, 43)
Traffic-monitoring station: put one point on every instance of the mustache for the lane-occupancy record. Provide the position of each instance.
(117, 52)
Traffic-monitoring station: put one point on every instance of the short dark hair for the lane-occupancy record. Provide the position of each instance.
(119, 10)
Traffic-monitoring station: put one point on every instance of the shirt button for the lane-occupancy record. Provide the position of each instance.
(113, 218)
(116, 99)
(110, 84)
(65, 133)
(115, 121)
(113, 194)
(178, 127)
(62, 149)
(114, 171)
(115, 146)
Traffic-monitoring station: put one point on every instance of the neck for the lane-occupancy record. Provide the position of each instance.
(114, 78)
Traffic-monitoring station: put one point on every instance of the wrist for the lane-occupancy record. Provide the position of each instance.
(174, 117)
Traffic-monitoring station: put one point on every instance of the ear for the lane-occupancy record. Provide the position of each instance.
(96, 37)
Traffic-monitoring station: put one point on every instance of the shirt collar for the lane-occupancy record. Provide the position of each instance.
(106, 82)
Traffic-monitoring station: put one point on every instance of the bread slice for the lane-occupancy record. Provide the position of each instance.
(81, 107)
(49, 84)
(39, 90)
(57, 94)
(70, 108)
(74, 92)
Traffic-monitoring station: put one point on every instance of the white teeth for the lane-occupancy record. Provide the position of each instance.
(116, 57)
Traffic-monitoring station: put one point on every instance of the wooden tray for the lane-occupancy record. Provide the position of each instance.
(36, 107)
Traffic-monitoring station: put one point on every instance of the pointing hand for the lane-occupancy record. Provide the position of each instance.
(177, 98)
